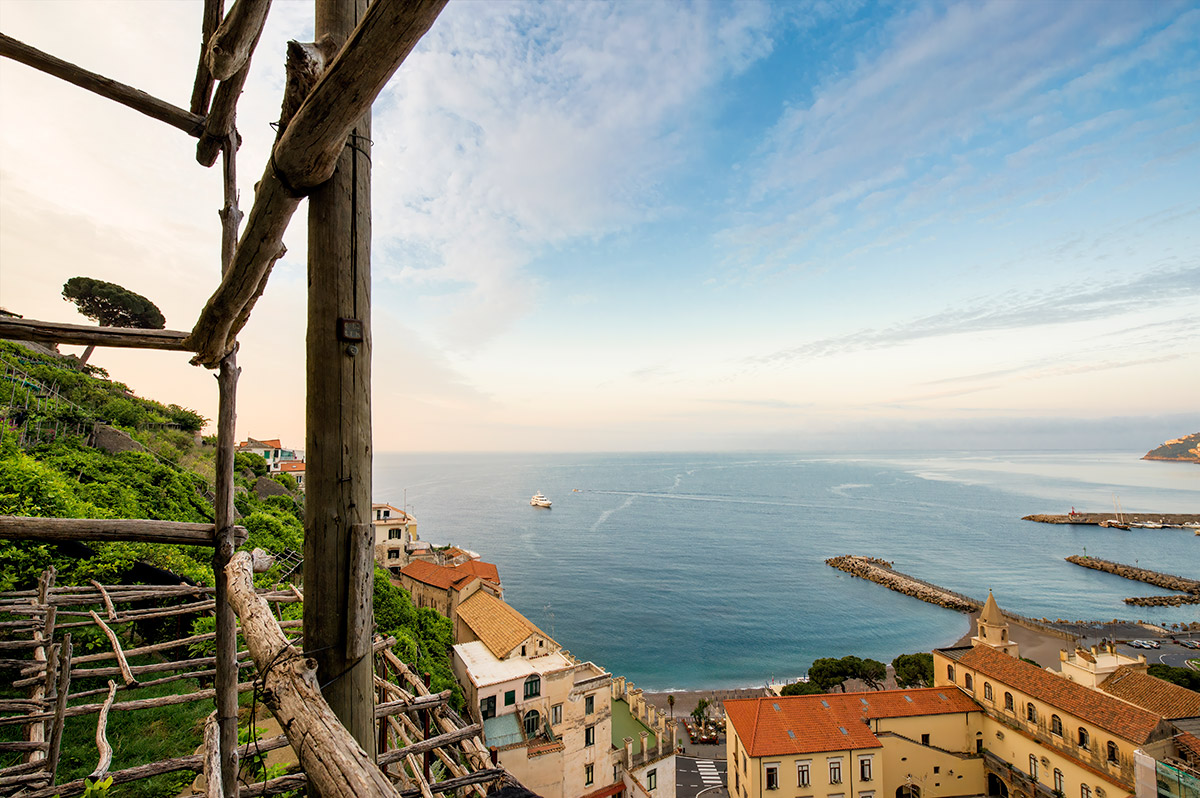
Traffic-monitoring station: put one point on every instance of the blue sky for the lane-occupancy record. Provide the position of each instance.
(684, 225)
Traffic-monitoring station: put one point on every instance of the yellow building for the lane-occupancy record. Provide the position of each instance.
(889, 744)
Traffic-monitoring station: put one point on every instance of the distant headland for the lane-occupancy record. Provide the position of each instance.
(1183, 450)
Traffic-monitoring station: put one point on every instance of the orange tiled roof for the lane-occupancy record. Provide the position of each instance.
(497, 625)
(782, 725)
(484, 570)
(1151, 693)
(1189, 743)
(1122, 719)
(291, 465)
(437, 575)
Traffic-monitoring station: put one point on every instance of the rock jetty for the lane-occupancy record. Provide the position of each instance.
(1157, 578)
(1164, 601)
(1167, 520)
(881, 572)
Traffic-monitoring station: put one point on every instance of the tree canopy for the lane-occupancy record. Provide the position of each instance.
(828, 673)
(112, 305)
(914, 670)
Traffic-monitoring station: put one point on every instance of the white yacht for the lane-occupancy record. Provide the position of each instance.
(539, 500)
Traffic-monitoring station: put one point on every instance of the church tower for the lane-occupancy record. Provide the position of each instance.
(993, 629)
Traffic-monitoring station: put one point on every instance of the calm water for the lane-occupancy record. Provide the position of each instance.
(704, 571)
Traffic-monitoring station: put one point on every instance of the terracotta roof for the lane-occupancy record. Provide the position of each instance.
(991, 612)
(1189, 742)
(1122, 719)
(438, 576)
(1151, 693)
(291, 465)
(484, 570)
(497, 625)
(779, 726)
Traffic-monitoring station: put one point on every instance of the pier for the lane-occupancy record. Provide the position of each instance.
(1189, 587)
(1189, 521)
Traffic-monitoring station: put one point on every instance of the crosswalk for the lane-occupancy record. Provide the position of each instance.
(708, 773)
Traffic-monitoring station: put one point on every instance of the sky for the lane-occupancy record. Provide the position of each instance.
(640, 226)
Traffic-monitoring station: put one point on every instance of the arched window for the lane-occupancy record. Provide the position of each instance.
(987, 690)
(533, 686)
(1008, 702)
(1033, 766)
(969, 682)
(1083, 737)
(1085, 791)
(950, 672)
(532, 723)
(1058, 780)
(1031, 712)
(1056, 725)
(1113, 753)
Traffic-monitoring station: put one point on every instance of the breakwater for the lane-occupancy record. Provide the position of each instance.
(882, 572)
(1156, 578)
(1164, 601)
(1189, 521)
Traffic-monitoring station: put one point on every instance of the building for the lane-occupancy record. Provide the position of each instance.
(296, 469)
(919, 743)
(271, 450)
(1091, 667)
(562, 727)
(395, 529)
(993, 629)
(442, 588)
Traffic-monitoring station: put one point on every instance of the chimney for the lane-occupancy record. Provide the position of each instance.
(1062, 655)
(645, 735)
(629, 753)
(1094, 652)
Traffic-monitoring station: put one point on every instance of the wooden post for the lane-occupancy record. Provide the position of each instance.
(226, 626)
(339, 571)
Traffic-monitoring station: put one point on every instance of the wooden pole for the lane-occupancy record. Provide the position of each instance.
(339, 573)
(59, 333)
(58, 530)
(226, 622)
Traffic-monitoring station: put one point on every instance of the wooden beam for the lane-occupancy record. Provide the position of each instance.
(336, 765)
(203, 85)
(306, 156)
(448, 738)
(61, 530)
(230, 47)
(128, 96)
(120, 337)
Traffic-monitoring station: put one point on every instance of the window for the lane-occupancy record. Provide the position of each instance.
(393, 555)
(532, 722)
(589, 704)
(969, 682)
(395, 534)
(533, 686)
(924, 739)
(802, 774)
(588, 776)
(522, 651)
(864, 768)
(1031, 712)
(950, 672)
(487, 707)
(1033, 766)
(736, 781)
(1058, 780)
(510, 698)
(1113, 753)
(987, 690)
(835, 771)
(1008, 702)
(651, 779)
(1056, 725)
(1083, 737)
(556, 714)
(772, 777)
(1085, 791)
(589, 736)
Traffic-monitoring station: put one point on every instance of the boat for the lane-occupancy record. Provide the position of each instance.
(539, 500)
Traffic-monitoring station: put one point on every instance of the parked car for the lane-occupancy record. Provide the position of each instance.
(1138, 644)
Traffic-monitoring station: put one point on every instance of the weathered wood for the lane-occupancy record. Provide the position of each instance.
(187, 609)
(24, 745)
(450, 785)
(35, 732)
(306, 156)
(293, 781)
(212, 758)
(432, 743)
(230, 47)
(203, 85)
(108, 603)
(126, 674)
(336, 765)
(57, 530)
(106, 752)
(62, 693)
(106, 87)
(24, 779)
(424, 702)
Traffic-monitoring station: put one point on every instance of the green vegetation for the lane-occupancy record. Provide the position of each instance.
(423, 635)
(802, 688)
(1184, 677)
(828, 673)
(914, 670)
(112, 305)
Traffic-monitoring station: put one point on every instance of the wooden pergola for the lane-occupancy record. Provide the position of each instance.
(331, 86)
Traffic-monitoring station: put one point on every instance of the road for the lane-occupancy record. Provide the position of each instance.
(1170, 653)
(700, 777)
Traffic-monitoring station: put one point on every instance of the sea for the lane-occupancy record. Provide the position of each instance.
(706, 571)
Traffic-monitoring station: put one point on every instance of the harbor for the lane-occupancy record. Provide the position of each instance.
(1122, 520)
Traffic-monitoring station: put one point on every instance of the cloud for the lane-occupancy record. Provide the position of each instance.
(1011, 311)
(517, 126)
